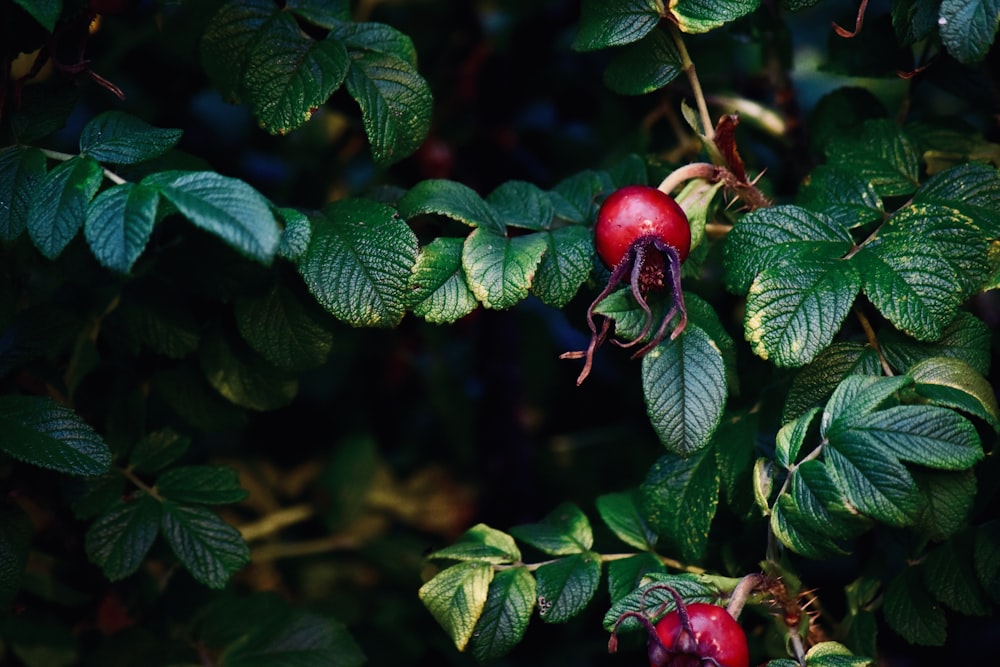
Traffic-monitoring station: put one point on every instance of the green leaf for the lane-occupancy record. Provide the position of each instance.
(566, 586)
(654, 595)
(813, 518)
(119, 541)
(968, 29)
(522, 204)
(359, 262)
(950, 576)
(324, 13)
(605, 23)
(201, 484)
(955, 384)
(857, 396)
(296, 234)
(119, 223)
(229, 39)
(645, 66)
(509, 603)
(296, 639)
(882, 154)
(46, 12)
(565, 266)
(735, 445)
(927, 435)
(947, 500)
(288, 74)
(210, 549)
(873, 480)
(49, 435)
(967, 339)
(914, 20)
(833, 654)
(116, 137)
(500, 269)
(281, 327)
(791, 437)
(697, 16)
(841, 195)
(90, 496)
(453, 200)
(157, 450)
(972, 188)
(625, 574)
(623, 515)
(481, 544)
(574, 197)
(817, 380)
(771, 237)
(691, 483)
(15, 541)
(60, 204)
(243, 378)
(684, 383)
(565, 530)
(794, 309)
(438, 290)
(910, 611)
(456, 598)
(226, 207)
(22, 169)
(395, 100)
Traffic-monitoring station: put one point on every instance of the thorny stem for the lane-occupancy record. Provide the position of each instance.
(63, 157)
(745, 190)
(699, 97)
(605, 558)
(873, 341)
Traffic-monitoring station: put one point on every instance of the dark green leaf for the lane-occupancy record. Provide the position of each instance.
(119, 541)
(623, 515)
(284, 329)
(882, 154)
(15, 540)
(49, 435)
(950, 576)
(817, 380)
(768, 237)
(924, 434)
(735, 445)
(395, 100)
(22, 169)
(299, 639)
(911, 612)
(453, 200)
(90, 496)
(947, 499)
(872, 479)
(955, 384)
(972, 188)
(914, 20)
(288, 74)
(324, 13)
(359, 262)
(481, 544)
(226, 207)
(791, 437)
(605, 23)
(116, 137)
(378, 38)
(296, 234)
(697, 16)
(119, 223)
(505, 617)
(794, 309)
(684, 383)
(202, 484)
(210, 549)
(566, 264)
(965, 339)
(645, 66)
(566, 586)
(691, 483)
(438, 290)
(565, 530)
(841, 195)
(574, 197)
(968, 29)
(60, 202)
(456, 597)
(800, 532)
(243, 378)
(500, 269)
(229, 39)
(46, 12)
(157, 450)
(625, 574)
(522, 204)
(856, 397)
(654, 595)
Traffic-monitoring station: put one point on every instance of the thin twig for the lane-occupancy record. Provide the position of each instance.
(873, 341)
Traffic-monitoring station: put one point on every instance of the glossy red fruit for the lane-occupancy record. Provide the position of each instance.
(636, 211)
(711, 637)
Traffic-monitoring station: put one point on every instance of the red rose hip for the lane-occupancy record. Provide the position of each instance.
(635, 211)
(712, 637)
